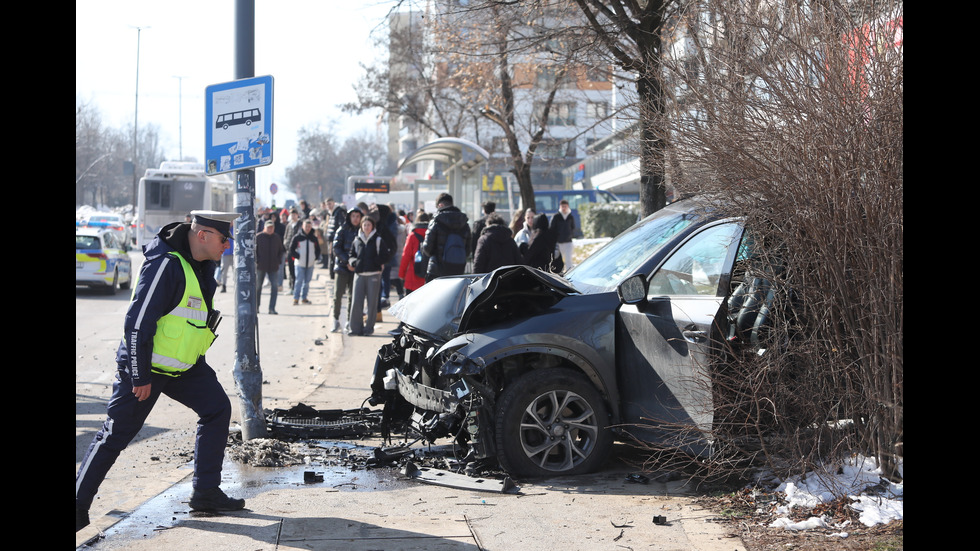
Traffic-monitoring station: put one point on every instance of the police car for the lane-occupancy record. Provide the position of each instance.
(109, 221)
(101, 260)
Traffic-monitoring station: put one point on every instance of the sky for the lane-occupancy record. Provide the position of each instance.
(311, 48)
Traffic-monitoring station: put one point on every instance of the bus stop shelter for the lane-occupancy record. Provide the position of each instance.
(463, 164)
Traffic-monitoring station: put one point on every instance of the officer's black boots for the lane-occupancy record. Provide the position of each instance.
(213, 499)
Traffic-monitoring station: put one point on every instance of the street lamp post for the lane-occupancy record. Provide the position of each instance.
(180, 116)
(136, 108)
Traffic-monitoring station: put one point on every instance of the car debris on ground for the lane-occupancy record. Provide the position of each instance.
(296, 435)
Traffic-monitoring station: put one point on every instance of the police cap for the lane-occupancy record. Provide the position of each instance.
(220, 221)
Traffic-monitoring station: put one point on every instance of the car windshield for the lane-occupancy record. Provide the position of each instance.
(86, 242)
(622, 257)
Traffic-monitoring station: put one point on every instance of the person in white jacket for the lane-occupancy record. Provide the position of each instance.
(305, 251)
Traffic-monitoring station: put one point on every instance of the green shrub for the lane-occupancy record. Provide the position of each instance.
(607, 219)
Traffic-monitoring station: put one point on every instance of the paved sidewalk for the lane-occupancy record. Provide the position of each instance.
(303, 362)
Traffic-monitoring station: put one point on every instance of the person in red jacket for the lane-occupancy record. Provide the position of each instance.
(406, 269)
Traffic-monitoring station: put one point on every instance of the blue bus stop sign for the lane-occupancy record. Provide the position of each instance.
(238, 132)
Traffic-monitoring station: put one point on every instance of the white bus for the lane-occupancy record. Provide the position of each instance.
(167, 194)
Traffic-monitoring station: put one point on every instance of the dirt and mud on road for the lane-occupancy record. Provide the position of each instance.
(742, 514)
(745, 513)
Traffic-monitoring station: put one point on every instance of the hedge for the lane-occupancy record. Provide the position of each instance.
(607, 219)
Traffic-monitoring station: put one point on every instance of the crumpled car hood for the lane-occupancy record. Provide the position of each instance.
(447, 306)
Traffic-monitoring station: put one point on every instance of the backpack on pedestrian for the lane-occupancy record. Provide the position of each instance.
(454, 253)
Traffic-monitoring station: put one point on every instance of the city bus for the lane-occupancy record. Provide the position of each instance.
(167, 194)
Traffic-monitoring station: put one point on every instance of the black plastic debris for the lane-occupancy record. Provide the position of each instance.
(385, 456)
(660, 520)
(637, 478)
(303, 421)
(310, 477)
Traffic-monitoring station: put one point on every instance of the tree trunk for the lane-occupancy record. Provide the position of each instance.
(653, 192)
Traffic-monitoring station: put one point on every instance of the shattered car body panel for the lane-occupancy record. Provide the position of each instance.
(532, 369)
(447, 305)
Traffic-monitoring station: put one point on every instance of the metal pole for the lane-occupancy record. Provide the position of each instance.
(247, 371)
(180, 116)
(136, 108)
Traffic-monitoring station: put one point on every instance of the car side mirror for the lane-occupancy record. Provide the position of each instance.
(633, 290)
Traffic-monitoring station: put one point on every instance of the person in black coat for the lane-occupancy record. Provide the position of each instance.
(478, 226)
(541, 251)
(495, 247)
(388, 230)
(448, 220)
(342, 243)
(368, 256)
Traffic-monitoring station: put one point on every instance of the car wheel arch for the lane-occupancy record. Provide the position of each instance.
(563, 359)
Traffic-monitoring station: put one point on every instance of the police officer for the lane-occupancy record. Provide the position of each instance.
(169, 326)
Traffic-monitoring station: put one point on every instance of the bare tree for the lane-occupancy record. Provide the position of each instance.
(90, 151)
(102, 155)
(364, 154)
(479, 44)
(496, 72)
(324, 163)
(632, 32)
(317, 166)
(790, 115)
(405, 84)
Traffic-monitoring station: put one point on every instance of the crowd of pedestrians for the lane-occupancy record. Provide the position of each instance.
(371, 251)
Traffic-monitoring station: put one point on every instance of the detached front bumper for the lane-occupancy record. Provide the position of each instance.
(460, 410)
(425, 397)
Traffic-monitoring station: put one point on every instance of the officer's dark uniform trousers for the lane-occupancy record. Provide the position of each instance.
(197, 388)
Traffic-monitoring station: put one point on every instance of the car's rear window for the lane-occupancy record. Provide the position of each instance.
(87, 242)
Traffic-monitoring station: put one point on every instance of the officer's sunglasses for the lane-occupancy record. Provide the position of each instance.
(223, 238)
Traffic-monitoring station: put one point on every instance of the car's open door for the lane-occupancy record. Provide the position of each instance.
(664, 334)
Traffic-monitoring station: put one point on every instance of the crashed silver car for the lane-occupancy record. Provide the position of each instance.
(541, 372)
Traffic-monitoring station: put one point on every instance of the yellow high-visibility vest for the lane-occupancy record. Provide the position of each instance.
(183, 335)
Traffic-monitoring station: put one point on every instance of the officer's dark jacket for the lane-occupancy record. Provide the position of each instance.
(157, 292)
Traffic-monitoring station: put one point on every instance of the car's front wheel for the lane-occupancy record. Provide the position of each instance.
(551, 422)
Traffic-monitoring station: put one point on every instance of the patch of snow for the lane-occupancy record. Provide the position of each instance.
(879, 500)
(812, 522)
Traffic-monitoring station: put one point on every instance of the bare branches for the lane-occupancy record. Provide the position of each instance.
(102, 152)
(791, 115)
(323, 162)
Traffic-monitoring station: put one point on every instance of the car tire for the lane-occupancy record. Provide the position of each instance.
(551, 422)
(112, 289)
